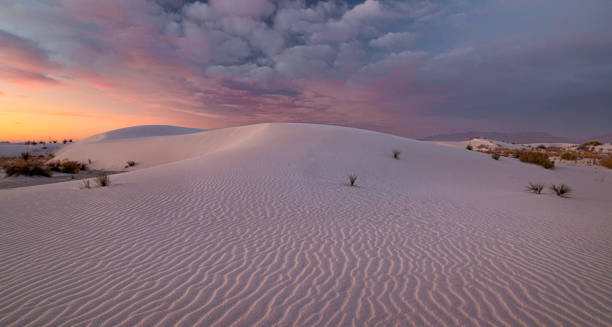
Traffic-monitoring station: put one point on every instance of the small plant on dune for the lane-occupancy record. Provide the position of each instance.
(103, 180)
(25, 156)
(495, 156)
(131, 163)
(606, 162)
(535, 188)
(469, 147)
(592, 143)
(86, 183)
(71, 167)
(588, 146)
(568, 156)
(55, 165)
(396, 154)
(26, 168)
(537, 158)
(352, 179)
(561, 190)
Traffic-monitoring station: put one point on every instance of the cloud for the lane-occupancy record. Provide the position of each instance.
(386, 63)
(23, 62)
(392, 40)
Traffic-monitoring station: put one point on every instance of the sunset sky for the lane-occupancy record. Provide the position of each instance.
(73, 68)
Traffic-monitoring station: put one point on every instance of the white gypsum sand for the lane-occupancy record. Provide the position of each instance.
(256, 226)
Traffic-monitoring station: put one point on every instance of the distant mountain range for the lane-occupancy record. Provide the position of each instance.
(524, 137)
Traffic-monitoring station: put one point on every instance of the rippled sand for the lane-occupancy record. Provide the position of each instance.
(255, 226)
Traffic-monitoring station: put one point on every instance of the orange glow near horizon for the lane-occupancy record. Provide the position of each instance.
(66, 113)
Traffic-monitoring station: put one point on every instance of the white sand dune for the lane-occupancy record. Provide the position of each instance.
(255, 226)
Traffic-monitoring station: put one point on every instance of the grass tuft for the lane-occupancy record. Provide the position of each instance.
(103, 180)
(606, 162)
(71, 167)
(561, 190)
(537, 158)
(26, 168)
(131, 163)
(396, 154)
(352, 179)
(569, 156)
(67, 166)
(495, 156)
(469, 147)
(535, 188)
(86, 183)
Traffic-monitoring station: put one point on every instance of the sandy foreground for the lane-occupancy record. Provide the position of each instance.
(256, 226)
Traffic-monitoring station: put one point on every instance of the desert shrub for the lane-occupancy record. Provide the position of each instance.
(495, 156)
(86, 183)
(517, 154)
(481, 146)
(26, 168)
(396, 154)
(542, 147)
(587, 146)
(55, 165)
(71, 167)
(133, 163)
(469, 147)
(65, 141)
(352, 179)
(537, 158)
(535, 188)
(103, 180)
(561, 190)
(66, 166)
(569, 156)
(606, 162)
(25, 156)
(592, 143)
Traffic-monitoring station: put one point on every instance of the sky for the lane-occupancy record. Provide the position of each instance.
(74, 68)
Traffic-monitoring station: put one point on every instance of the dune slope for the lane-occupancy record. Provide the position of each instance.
(255, 226)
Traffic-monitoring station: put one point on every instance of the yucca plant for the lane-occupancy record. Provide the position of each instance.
(561, 190)
(103, 180)
(352, 179)
(535, 188)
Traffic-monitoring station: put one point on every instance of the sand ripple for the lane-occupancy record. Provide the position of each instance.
(211, 244)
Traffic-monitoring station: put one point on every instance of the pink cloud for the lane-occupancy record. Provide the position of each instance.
(23, 62)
